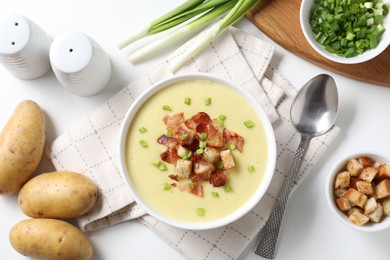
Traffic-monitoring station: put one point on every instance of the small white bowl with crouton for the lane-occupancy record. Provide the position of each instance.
(358, 191)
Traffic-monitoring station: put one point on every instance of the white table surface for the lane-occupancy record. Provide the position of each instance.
(310, 231)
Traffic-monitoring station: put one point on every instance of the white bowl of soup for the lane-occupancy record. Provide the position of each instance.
(197, 151)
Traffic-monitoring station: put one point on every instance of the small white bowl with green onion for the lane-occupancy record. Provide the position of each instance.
(323, 24)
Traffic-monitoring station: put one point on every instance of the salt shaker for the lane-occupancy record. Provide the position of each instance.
(79, 63)
(24, 47)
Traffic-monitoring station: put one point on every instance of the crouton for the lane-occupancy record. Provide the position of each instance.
(354, 167)
(376, 215)
(340, 192)
(382, 190)
(386, 206)
(183, 168)
(342, 180)
(365, 187)
(383, 172)
(343, 204)
(211, 154)
(203, 167)
(215, 140)
(227, 159)
(352, 182)
(376, 164)
(365, 161)
(356, 197)
(358, 218)
(370, 205)
(353, 209)
(368, 173)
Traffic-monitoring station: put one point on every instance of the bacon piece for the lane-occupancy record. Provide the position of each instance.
(218, 178)
(189, 141)
(199, 178)
(170, 156)
(190, 124)
(172, 121)
(197, 190)
(169, 142)
(200, 118)
(202, 123)
(197, 157)
(191, 144)
(231, 137)
(174, 177)
(179, 130)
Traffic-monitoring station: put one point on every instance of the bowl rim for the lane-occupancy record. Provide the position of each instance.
(370, 227)
(269, 132)
(365, 56)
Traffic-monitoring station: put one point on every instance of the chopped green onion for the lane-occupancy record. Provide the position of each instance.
(187, 101)
(227, 188)
(187, 156)
(200, 211)
(348, 28)
(162, 167)
(220, 165)
(183, 136)
(202, 144)
(350, 36)
(191, 185)
(166, 108)
(222, 117)
(207, 101)
(166, 186)
(250, 168)
(199, 151)
(215, 194)
(203, 136)
(221, 120)
(142, 130)
(156, 162)
(143, 143)
(232, 146)
(169, 132)
(249, 123)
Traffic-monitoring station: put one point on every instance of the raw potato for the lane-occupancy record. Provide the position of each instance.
(50, 239)
(58, 195)
(21, 146)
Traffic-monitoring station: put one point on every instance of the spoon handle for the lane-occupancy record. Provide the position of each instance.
(269, 234)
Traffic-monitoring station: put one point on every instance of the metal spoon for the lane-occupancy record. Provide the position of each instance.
(313, 113)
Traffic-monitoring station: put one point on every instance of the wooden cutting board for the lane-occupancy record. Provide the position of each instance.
(279, 20)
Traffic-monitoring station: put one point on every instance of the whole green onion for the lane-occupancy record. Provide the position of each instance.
(187, 17)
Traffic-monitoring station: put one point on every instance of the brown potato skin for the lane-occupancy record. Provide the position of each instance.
(22, 143)
(50, 239)
(62, 194)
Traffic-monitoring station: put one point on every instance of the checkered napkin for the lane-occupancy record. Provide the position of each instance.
(91, 146)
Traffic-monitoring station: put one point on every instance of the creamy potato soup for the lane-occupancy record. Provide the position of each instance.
(157, 182)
